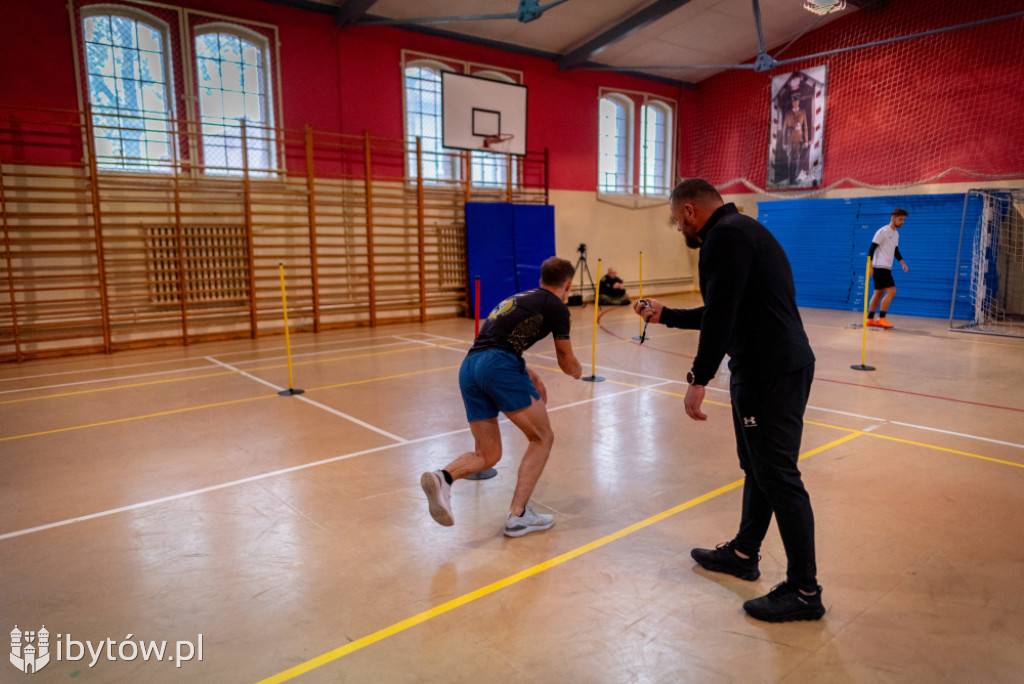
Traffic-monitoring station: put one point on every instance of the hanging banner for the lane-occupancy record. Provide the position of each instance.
(795, 150)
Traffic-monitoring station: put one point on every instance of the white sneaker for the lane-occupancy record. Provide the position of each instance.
(439, 497)
(529, 521)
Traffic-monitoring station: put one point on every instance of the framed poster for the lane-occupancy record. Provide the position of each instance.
(795, 149)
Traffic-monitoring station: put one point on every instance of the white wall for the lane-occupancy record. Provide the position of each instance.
(617, 234)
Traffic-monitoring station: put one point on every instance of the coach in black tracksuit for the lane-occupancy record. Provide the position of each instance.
(750, 314)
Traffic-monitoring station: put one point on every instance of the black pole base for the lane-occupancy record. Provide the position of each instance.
(862, 367)
(483, 474)
(592, 378)
(290, 392)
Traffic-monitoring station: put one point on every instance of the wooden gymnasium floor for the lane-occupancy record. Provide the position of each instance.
(169, 493)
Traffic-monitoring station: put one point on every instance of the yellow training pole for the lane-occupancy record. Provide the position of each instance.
(593, 353)
(864, 321)
(641, 333)
(287, 340)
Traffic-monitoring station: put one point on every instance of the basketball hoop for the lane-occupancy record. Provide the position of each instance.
(492, 141)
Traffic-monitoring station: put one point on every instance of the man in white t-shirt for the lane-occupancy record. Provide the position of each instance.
(884, 251)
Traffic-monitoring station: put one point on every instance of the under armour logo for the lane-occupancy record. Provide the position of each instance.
(749, 422)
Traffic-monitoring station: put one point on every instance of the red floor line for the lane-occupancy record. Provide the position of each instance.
(838, 382)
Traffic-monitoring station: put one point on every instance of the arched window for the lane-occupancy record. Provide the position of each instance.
(234, 87)
(655, 149)
(128, 75)
(490, 169)
(423, 120)
(615, 145)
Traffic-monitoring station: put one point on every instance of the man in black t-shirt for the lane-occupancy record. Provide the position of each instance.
(494, 379)
(750, 314)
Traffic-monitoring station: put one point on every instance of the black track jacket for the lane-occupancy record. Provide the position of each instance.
(749, 307)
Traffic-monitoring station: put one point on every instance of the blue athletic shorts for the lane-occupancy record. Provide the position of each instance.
(494, 381)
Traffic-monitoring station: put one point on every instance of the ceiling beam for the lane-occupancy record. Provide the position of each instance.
(351, 11)
(646, 16)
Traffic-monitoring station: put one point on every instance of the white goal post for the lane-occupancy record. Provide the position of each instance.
(995, 299)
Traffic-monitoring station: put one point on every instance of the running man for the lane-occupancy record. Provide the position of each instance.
(494, 378)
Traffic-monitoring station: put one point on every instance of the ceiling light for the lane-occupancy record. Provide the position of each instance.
(822, 7)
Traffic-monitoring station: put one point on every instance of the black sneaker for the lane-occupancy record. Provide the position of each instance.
(723, 558)
(785, 603)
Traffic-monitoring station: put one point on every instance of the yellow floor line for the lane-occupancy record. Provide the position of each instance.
(209, 375)
(216, 405)
(426, 615)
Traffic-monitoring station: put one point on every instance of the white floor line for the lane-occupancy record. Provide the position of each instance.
(847, 413)
(879, 421)
(156, 363)
(273, 473)
(119, 378)
(958, 434)
(311, 402)
(99, 380)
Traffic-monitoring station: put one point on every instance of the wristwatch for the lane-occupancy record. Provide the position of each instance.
(689, 377)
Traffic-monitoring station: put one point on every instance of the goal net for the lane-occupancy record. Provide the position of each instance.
(996, 294)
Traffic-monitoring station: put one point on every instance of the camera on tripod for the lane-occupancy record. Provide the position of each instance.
(581, 268)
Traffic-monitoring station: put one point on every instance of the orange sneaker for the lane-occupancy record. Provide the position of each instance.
(882, 323)
(872, 323)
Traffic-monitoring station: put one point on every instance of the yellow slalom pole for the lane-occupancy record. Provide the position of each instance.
(641, 321)
(593, 350)
(287, 339)
(864, 321)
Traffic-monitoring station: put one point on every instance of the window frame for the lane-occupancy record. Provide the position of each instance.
(449, 160)
(664, 187)
(162, 27)
(627, 186)
(262, 43)
(486, 158)
(637, 103)
(411, 58)
(183, 111)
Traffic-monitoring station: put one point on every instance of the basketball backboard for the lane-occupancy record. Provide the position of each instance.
(482, 114)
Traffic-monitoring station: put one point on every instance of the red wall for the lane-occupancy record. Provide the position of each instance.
(344, 81)
(895, 114)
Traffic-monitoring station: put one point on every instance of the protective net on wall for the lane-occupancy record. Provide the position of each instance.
(936, 97)
(997, 265)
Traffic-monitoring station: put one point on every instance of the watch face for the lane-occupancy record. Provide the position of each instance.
(689, 377)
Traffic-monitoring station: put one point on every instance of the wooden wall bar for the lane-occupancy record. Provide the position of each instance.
(99, 259)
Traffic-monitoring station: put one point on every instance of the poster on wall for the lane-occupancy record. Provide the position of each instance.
(795, 150)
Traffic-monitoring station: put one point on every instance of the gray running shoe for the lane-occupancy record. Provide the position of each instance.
(529, 521)
(439, 497)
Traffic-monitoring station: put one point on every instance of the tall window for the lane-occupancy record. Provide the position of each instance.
(423, 120)
(129, 89)
(232, 75)
(627, 152)
(145, 113)
(490, 169)
(615, 144)
(655, 149)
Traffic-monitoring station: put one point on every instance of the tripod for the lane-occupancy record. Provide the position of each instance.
(582, 262)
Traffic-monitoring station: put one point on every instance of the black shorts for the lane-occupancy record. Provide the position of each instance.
(883, 278)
